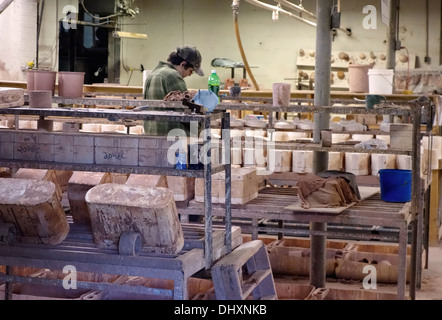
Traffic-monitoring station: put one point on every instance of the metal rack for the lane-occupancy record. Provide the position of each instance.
(404, 216)
(198, 253)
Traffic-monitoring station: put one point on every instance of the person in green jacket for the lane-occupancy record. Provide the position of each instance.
(167, 77)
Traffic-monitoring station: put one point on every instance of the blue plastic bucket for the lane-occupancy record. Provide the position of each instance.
(395, 185)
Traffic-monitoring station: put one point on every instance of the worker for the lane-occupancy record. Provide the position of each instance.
(168, 77)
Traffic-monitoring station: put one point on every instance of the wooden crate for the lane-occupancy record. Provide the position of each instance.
(196, 288)
(33, 291)
(350, 294)
(293, 291)
(384, 258)
(291, 256)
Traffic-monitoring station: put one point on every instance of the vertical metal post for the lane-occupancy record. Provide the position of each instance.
(321, 121)
(391, 35)
(392, 40)
(225, 130)
(415, 197)
(8, 285)
(208, 194)
(402, 262)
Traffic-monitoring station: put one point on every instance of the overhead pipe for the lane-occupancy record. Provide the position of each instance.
(235, 7)
(279, 9)
(295, 7)
(4, 5)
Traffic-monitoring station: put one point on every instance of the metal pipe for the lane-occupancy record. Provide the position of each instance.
(295, 7)
(4, 5)
(321, 121)
(235, 7)
(415, 199)
(37, 36)
(391, 36)
(278, 9)
(228, 179)
(208, 226)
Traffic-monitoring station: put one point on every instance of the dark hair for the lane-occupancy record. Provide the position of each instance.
(176, 60)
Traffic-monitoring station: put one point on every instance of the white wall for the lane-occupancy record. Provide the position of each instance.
(271, 46)
(17, 38)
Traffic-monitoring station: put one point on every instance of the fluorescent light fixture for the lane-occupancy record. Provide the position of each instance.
(129, 35)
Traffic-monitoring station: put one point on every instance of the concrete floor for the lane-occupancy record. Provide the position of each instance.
(431, 284)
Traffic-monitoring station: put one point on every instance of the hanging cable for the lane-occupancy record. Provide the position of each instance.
(97, 17)
(235, 7)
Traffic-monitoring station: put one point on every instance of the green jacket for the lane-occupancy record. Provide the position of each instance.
(163, 79)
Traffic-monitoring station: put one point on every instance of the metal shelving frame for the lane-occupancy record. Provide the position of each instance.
(409, 109)
(53, 256)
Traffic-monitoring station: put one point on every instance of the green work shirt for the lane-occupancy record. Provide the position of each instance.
(163, 79)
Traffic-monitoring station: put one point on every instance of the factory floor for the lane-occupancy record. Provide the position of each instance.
(431, 284)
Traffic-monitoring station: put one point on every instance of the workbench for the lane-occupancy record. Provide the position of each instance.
(78, 249)
(399, 217)
(272, 204)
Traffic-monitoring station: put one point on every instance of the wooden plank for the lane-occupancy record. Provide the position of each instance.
(250, 284)
(435, 200)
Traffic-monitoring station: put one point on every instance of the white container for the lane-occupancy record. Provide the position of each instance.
(380, 81)
(357, 77)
